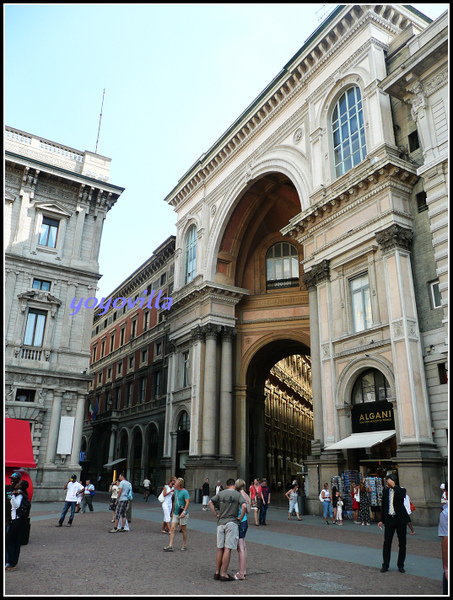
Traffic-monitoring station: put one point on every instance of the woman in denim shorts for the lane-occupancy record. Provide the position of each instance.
(243, 526)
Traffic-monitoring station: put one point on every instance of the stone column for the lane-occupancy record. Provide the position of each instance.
(112, 443)
(419, 462)
(316, 275)
(173, 436)
(78, 426)
(226, 393)
(210, 393)
(54, 426)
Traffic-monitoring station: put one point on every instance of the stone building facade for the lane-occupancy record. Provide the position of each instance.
(125, 412)
(299, 233)
(56, 201)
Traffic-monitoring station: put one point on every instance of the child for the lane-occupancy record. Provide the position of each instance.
(339, 510)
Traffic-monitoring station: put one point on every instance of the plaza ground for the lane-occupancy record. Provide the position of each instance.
(284, 558)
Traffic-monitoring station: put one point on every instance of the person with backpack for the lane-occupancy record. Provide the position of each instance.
(122, 502)
(19, 529)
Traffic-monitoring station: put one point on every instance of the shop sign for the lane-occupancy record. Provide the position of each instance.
(372, 416)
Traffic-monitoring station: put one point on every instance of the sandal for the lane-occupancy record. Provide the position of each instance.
(226, 578)
(237, 578)
(217, 576)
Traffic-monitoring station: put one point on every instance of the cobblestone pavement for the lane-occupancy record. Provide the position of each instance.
(284, 558)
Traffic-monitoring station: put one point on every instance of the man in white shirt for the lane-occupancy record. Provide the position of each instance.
(146, 488)
(73, 489)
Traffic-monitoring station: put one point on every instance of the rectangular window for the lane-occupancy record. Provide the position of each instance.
(144, 355)
(109, 373)
(25, 396)
(436, 297)
(361, 302)
(36, 324)
(117, 397)
(120, 368)
(421, 202)
(146, 321)
(131, 362)
(122, 336)
(93, 358)
(49, 231)
(185, 369)
(40, 284)
(103, 349)
(134, 328)
(157, 381)
(158, 348)
(129, 394)
(414, 143)
(112, 341)
(142, 389)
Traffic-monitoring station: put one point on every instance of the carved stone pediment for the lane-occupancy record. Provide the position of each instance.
(52, 207)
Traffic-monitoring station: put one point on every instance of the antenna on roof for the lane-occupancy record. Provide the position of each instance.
(100, 119)
(322, 12)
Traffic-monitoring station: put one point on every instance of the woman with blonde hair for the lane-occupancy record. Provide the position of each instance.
(243, 526)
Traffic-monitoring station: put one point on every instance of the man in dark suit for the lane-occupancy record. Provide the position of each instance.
(395, 518)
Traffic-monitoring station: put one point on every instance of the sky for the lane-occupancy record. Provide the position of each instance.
(175, 76)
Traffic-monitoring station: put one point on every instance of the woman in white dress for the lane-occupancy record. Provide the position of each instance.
(167, 504)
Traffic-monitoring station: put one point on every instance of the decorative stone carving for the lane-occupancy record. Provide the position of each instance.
(297, 136)
(318, 274)
(394, 237)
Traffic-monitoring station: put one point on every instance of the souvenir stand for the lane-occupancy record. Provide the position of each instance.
(344, 485)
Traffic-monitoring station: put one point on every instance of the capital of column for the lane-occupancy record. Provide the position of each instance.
(211, 331)
(394, 237)
(228, 333)
(317, 274)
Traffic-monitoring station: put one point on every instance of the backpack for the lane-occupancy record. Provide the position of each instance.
(23, 511)
(130, 494)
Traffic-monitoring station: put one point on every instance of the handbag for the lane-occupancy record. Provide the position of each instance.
(320, 496)
(357, 497)
(161, 496)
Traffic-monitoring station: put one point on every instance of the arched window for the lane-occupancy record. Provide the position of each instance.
(282, 266)
(191, 254)
(348, 131)
(371, 386)
(184, 424)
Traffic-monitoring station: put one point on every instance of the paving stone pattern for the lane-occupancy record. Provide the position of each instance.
(285, 558)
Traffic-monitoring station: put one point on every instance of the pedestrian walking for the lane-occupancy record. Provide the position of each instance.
(88, 494)
(266, 500)
(180, 514)
(113, 489)
(292, 495)
(365, 504)
(395, 518)
(243, 526)
(255, 493)
(122, 501)
(73, 489)
(355, 494)
(19, 528)
(9, 489)
(205, 493)
(327, 504)
(442, 532)
(167, 504)
(225, 507)
(146, 489)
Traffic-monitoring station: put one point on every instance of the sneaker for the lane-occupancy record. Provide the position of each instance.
(121, 529)
(113, 530)
(183, 548)
(168, 549)
(59, 525)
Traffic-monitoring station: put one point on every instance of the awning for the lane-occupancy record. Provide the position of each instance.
(115, 462)
(18, 445)
(362, 440)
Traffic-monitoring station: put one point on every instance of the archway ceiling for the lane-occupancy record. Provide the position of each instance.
(267, 356)
(273, 191)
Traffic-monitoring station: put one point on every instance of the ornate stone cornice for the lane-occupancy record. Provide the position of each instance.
(331, 36)
(394, 237)
(317, 274)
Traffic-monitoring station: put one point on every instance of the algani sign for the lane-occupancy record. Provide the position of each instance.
(121, 302)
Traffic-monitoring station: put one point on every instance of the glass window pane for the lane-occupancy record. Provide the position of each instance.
(357, 309)
(285, 250)
(277, 250)
(278, 269)
(294, 267)
(286, 269)
(30, 328)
